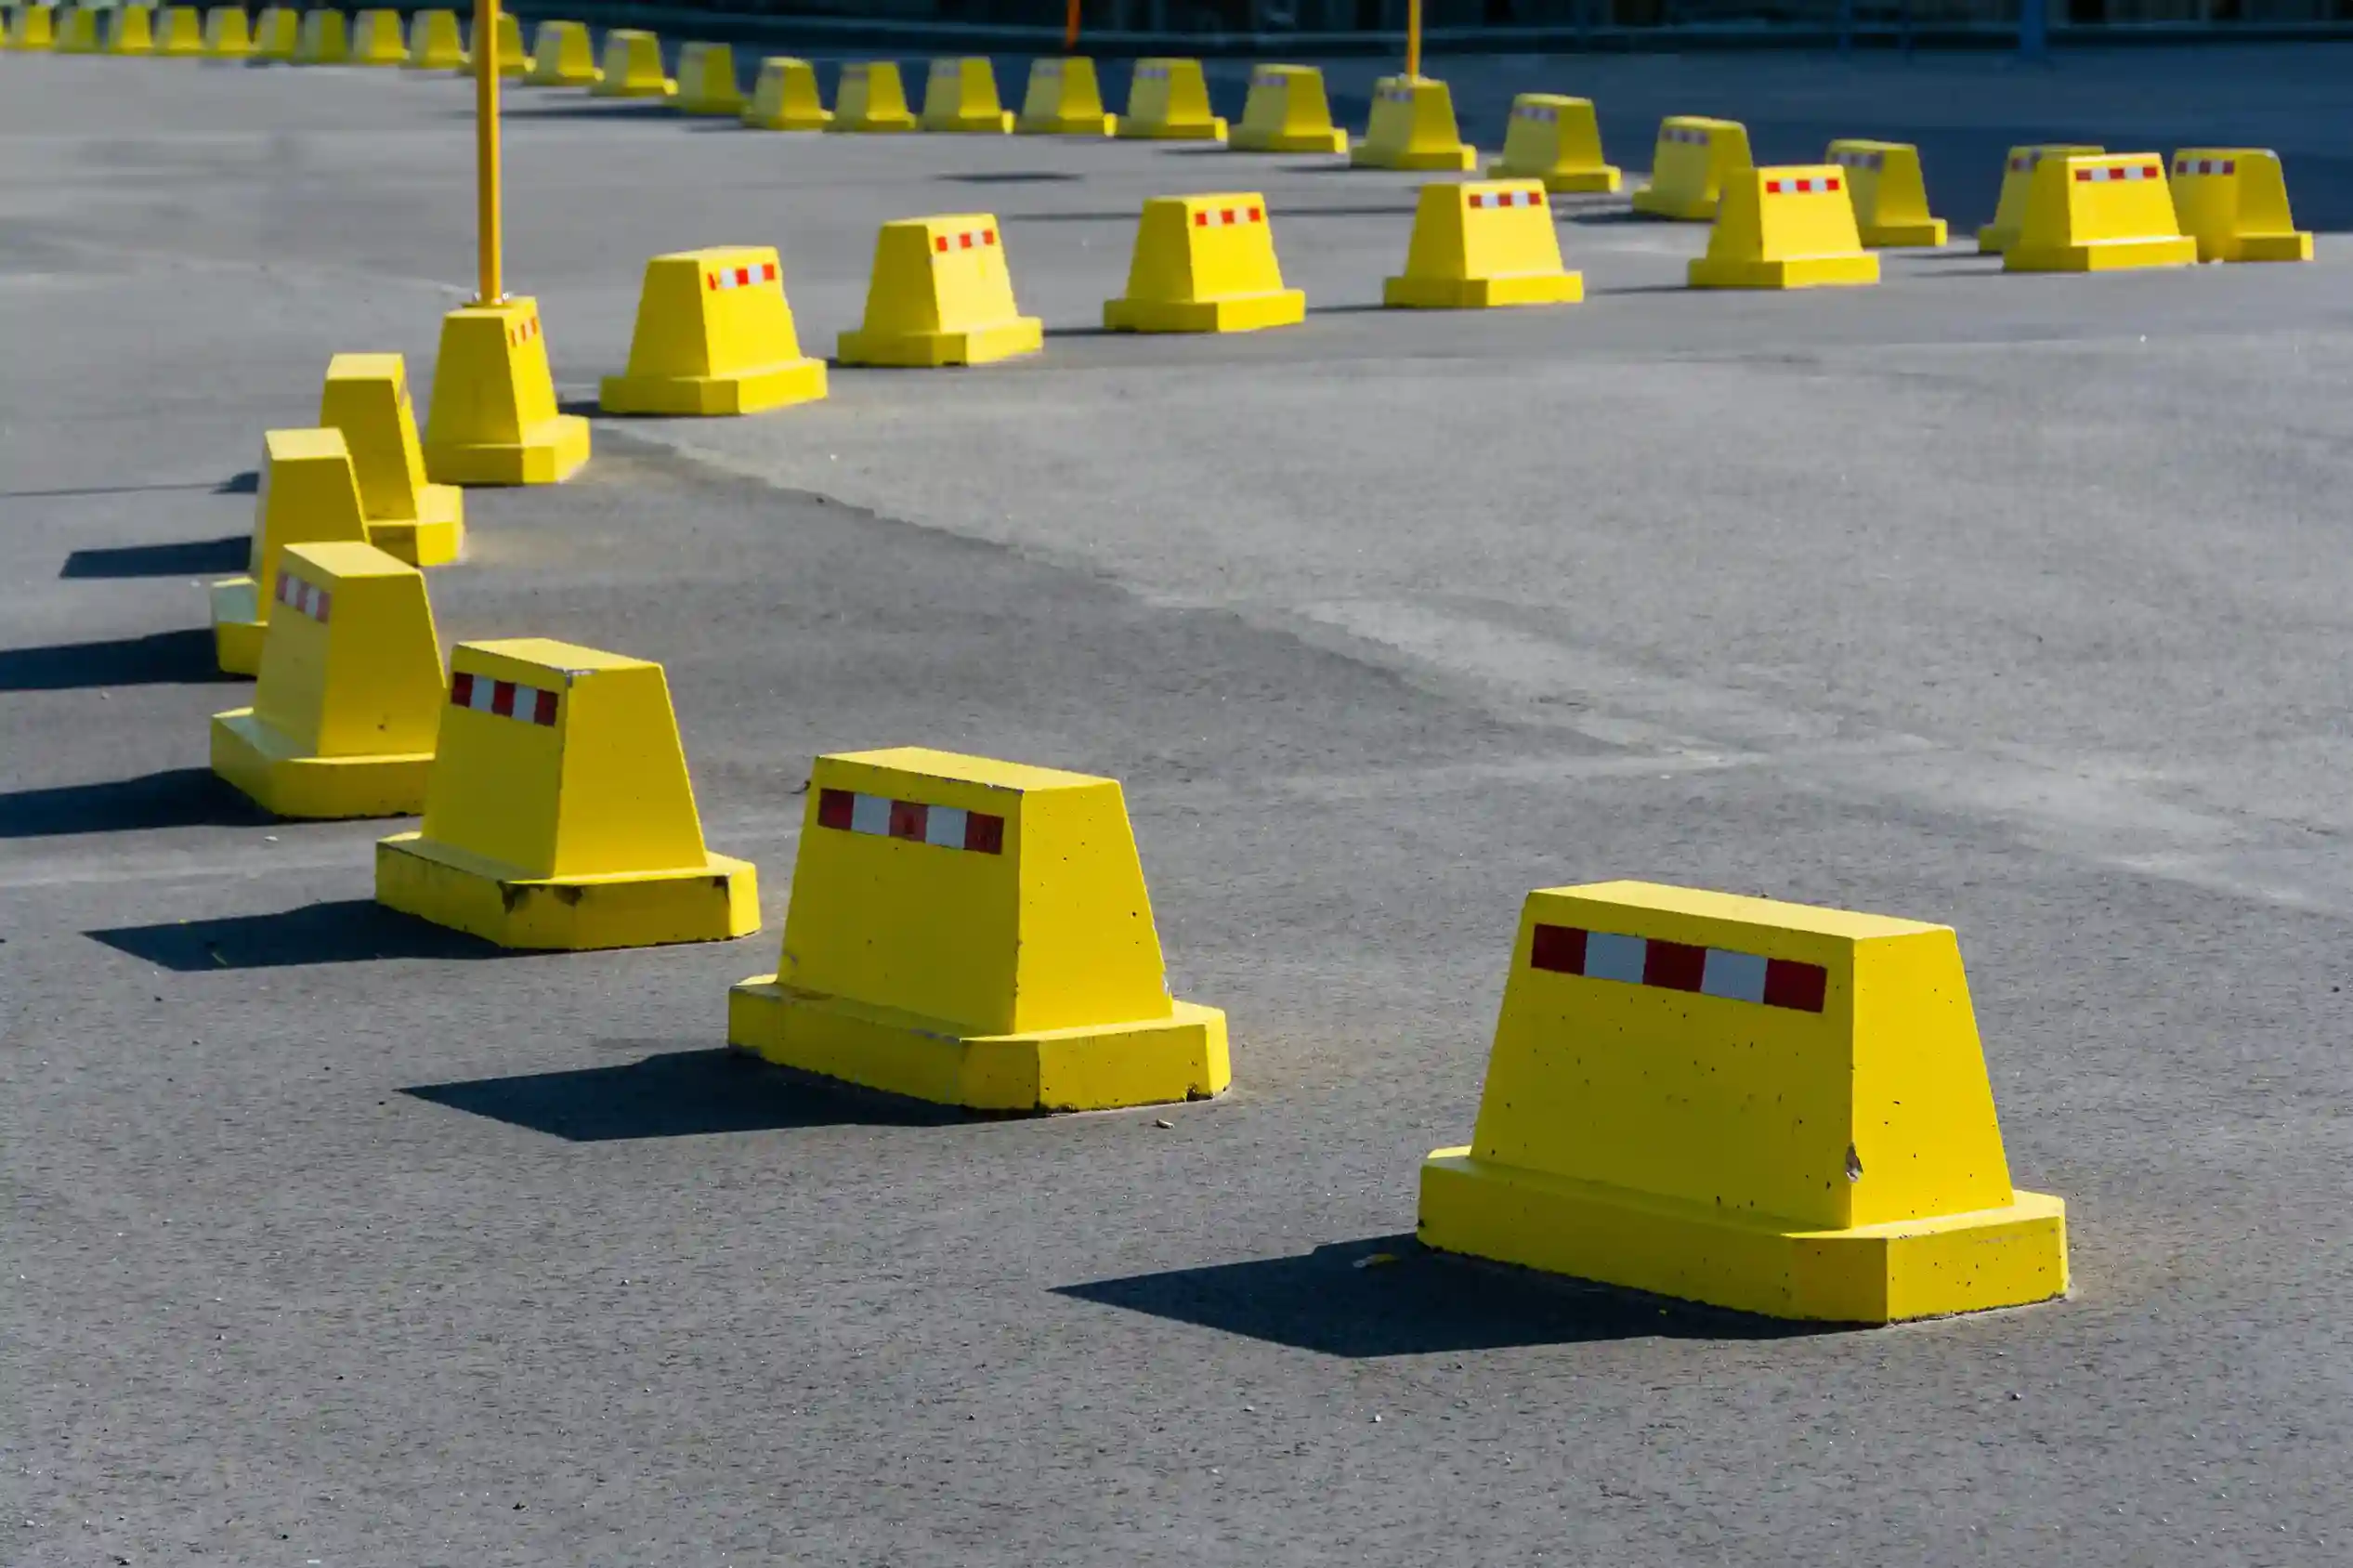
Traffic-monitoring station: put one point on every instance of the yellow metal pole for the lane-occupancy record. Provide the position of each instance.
(1413, 38)
(486, 145)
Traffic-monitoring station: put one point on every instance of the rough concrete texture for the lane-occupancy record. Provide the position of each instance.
(2018, 603)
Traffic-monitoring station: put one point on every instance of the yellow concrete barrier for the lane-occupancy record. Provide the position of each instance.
(1785, 229)
(128, 29)
(310, 494)
(786, 97)
(1288, 111)
(350, 695)
(563, 55)
(277, 32)
(714, 336)
(1412, 126)
(2100, 214)
(1064, 98)
(1168, 100)
(632, 66)
(1205, 263)
(1693, 163)
(975, 932)
(961, 94)
(366, 397)
(515, 60)
(941, 294)
(32, 28)
(179, 32)
(707, 82)
(872, 97)
(1890, 195)
(228, 32)
(1555, 139)
(2017, 178)
(77, 31)
(493, 419)
(2233, 200)
(435, 42)
(376, 39)
(325, 39)
(1760, 1105)
(558, 811)
(1479, 244)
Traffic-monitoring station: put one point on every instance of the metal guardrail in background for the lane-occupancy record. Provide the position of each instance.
(1218, 27)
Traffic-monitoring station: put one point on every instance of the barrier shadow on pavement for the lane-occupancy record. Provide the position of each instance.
(1011, 176)
(352, 931)
(181, 797)
(187, 557)
(185, 658)
(1390, 1296)
(675, 1095)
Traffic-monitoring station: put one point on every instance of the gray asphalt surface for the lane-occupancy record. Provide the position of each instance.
(2018, 603)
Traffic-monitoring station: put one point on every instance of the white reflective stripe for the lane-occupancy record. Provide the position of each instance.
(1739, 976)
(1608, 957)
(870, 814)
(483, 692)
(943, 824)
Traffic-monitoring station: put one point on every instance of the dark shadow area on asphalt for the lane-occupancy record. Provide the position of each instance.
(675, 1095)
(355, 930)
(596, 109)
(159, 659)
(1391, 1295)
(236, 484)
(1011, 176)
(188, 557)
(184, 797)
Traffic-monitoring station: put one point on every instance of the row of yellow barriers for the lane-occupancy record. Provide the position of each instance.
(2211, 204)
(1762, 1106)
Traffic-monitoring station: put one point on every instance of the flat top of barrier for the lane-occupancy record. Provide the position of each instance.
(989, 771)
(1548, 98)
(1865, 144)
(709, 252)
(2225, 152)
(343, 560)
(1709, 121)
(1739, 909)
(364, 367)
(566, 660)
(295, 446)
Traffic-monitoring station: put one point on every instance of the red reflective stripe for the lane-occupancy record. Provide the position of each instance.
(1677, 966)
(502, 700)
(1559, 948)
(907, 821)
(984, 834)
(940, 244)
(834, 808)
(543, 709)
(462, 689)
(1793, 985)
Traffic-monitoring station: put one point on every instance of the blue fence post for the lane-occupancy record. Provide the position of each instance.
(2033, 30)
